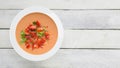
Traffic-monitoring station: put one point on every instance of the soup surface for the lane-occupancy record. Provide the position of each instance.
(46, 31)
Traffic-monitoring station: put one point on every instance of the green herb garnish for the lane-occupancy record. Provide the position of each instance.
(22, 34)
(34, 23)
(23, 39)
(40, 34)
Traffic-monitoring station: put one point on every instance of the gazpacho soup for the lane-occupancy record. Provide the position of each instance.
(36, 33)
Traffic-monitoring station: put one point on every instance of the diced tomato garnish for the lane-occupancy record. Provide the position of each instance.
(29, 26)
(33, 34)
(27, 46)
(27, 30)
(47, 37)
(35, 45)
(33, 38)
(40, 42)
(43, 40)
(46, 33)
(33, 27)
(26, 33)
(27, 37)
(39, 29)
(28, 41)
(38, 23)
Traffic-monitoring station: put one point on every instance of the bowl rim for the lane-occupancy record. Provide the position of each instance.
(25, 54)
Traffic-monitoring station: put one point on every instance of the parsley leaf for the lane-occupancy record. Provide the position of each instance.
(40, 34)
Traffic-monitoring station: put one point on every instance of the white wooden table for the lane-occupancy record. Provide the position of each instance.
(92, 34)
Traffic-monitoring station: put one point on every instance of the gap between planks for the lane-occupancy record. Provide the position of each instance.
(72, 9)
(80, 48)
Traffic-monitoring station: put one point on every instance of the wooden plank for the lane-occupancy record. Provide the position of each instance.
(77, 19)
(64, 58)
(79, 39)
(61, 4)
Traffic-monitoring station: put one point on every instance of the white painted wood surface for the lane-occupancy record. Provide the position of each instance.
(75, 19)
(79, 39)
(61, 4)
(65, 58)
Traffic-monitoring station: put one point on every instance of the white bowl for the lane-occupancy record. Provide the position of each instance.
(25, 54)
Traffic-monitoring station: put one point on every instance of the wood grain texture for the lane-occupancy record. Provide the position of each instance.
(74, 14)
(61, 4)
(75, 19)
(79, 39)
(64, 59)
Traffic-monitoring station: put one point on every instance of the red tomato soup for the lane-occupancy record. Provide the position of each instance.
(36, 33)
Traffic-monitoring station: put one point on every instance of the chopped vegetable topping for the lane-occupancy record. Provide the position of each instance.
(40, 34)
(35, 35)
(34, 23)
